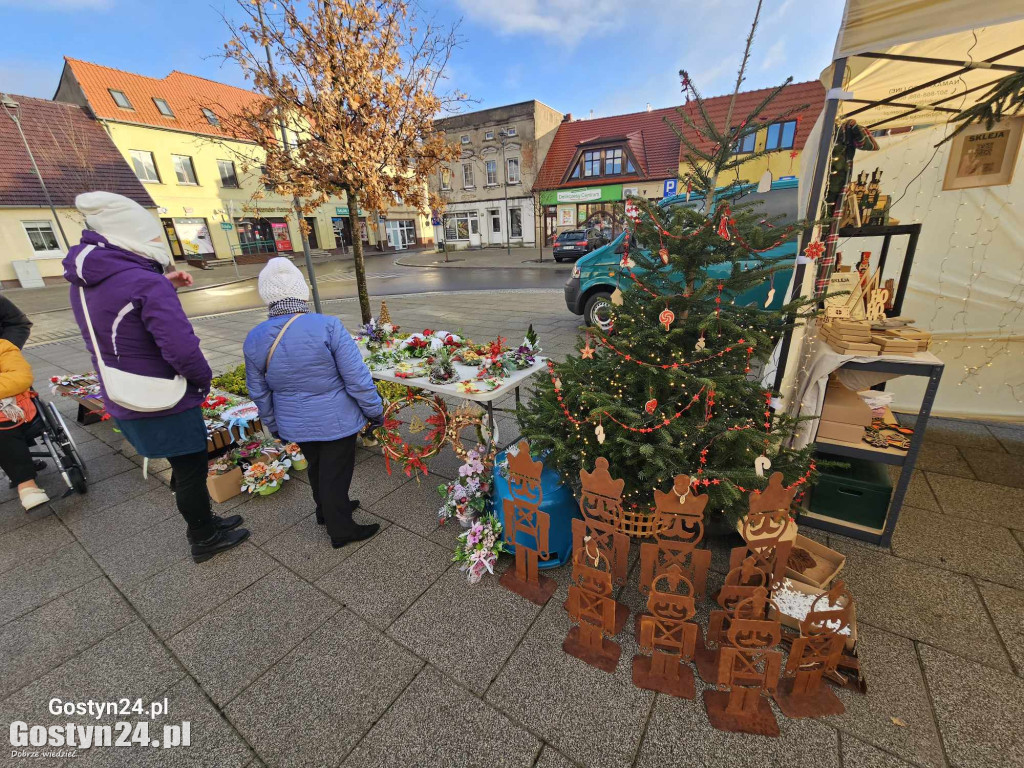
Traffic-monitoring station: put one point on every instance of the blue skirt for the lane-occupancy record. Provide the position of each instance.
(162, 437)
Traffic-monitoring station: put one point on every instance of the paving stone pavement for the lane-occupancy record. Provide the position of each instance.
(285, 652)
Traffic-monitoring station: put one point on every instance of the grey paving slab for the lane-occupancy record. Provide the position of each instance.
(229, 648)
(979, 710)
(413, 506)
(33, 540)
(41, 580)
(437, 724)
(1006, 606)
(857, 754)
(919, 494)
(969, 434)
(552, 758)
(386, 575)
(314, 705)
(921, 602)
(896, 688)
(371, 482)
(988, 502)
(964, 546)
(679, 734)
(176, 597)
(103, 495)
(112, 526)
(944, 458)
(267, 516)
(306, 547)
(215, 743)
(997, 467)
(467, 631)
(14, 516)
(35, 643)
(1010, 437)
(134, 558)
(590, 716)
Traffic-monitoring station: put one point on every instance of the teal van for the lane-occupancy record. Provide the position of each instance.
(588, 291)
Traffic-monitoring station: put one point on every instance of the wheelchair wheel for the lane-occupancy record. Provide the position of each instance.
(64, 450)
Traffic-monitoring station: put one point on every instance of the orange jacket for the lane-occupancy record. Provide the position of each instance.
(15, 372)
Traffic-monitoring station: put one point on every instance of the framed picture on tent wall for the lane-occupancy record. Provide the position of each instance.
(980, 157)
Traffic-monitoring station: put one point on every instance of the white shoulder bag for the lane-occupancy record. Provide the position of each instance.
(134, 391)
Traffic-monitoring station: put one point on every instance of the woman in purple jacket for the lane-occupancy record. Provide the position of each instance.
(141, 328)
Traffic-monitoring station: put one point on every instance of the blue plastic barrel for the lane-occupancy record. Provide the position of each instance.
(557, 501)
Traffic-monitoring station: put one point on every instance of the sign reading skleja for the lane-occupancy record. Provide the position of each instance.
(67, 739)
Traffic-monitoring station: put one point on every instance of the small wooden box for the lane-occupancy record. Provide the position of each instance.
(828, 563)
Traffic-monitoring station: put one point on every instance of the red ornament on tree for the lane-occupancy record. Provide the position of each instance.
(666, 318)
(814, 250)
(651, 405)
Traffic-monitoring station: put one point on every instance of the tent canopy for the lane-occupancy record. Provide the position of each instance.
(919, 62)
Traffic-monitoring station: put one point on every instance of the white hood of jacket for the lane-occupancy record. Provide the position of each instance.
(125, 223)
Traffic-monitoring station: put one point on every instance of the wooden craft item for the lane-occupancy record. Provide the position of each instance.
(601, 505)
(747, 670)
(815, 655)
(680, 528)
(523, 516)
(767, 527)
(668, 636)
(592, 610)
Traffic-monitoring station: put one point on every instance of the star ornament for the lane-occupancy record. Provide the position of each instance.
(814, 250)
(587, 353)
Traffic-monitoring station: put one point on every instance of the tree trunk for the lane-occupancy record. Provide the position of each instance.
(357, 256)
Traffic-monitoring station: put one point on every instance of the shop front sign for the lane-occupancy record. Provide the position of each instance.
(608, 193)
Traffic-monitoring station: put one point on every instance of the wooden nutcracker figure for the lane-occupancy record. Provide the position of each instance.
(526, 527)
(668, 635)
(768, 528)
(679, 518)
(747, 669)
(592, 610)
(816, 653)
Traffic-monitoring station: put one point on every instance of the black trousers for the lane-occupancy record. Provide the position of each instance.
(14, 456)
(188, 481)
(330, 474)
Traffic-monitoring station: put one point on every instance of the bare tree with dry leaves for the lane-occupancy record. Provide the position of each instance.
(356, 85)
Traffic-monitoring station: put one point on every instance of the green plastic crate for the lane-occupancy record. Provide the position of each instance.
(859, 494)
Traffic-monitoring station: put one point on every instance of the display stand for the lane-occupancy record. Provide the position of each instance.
(887, 232)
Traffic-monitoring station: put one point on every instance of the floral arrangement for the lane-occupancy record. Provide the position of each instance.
(80, 385)
(254, 448)
(215, 404)
(416, 346)
(265, 478)
(293, 453)
(377, 334)
(494, 368)
(442, 371)
(478, 548)
(382, 359)
(468, 497)
(222, 465)
(526, 354)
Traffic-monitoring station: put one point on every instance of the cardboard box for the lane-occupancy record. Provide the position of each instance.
(792, 623)
(226, 486)
(845, 406)
(828, 563)
(834, 430)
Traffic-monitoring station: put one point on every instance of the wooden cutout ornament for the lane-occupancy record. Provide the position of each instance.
(663, 255)
(592, 610)
(651, 405)
(761, 465)
(617, 297)
(666, 318)
(814, 655)
(700, 344)
(523, 516)
(601, 505)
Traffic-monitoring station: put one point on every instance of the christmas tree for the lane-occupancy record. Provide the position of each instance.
(672, 386)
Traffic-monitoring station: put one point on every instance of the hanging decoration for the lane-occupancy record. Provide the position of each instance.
(666, 318)
(663, 255)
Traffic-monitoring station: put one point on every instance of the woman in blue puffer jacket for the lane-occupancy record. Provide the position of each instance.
(306, 375)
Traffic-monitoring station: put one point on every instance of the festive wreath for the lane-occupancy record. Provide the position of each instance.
(434, 429)
(468, 418)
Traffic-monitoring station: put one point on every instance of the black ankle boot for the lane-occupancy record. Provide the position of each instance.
(359, 533)
(354, 504)
(221, 523)
(221, 541)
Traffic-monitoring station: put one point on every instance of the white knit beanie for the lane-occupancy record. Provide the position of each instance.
(125, 223)
(281, 279)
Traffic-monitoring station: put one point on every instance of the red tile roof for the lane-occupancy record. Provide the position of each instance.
(185, 94)
(72, 150)
(656, 146)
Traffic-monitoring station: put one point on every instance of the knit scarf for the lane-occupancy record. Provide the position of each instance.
(11, 411)
(288, 307)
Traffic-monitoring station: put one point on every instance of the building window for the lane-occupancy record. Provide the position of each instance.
(228, 175)
(145, 167)
(513, 170)
(495, 215)
(745, 146)
(468, 182)
(184, 169)
(510, 131)
(211, 117)
(163, 107)
(492, 172)
(515, 225)
(120, 99)
(603, 162)
(464, 139)
(781, 135)
(460, 225)
(44, 241)
(446, 178)
(489, 136)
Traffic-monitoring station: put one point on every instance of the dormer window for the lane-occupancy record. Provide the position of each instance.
(608, 161)
(780, 135)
